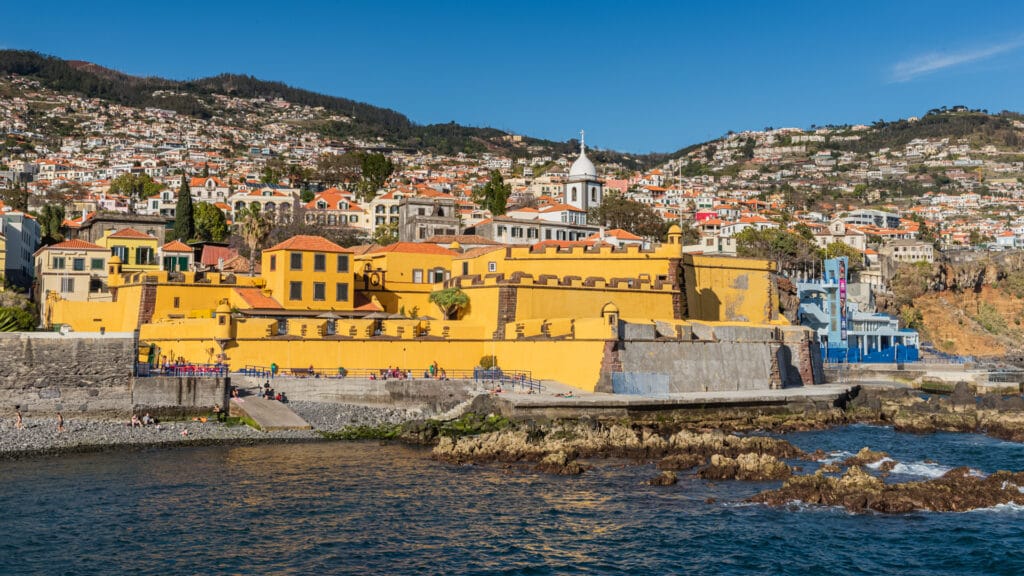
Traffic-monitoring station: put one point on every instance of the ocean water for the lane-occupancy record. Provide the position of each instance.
(364, 508)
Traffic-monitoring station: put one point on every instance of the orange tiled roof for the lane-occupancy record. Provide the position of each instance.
(255, 298)
(131, 233)
(75, 245)
(176, 246)
(415, 248)
(308, 244)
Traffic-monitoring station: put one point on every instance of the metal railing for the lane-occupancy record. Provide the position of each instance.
(144, 370)
(512, 379)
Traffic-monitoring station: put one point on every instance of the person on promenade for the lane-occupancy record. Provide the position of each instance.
(60, 422)
(135, 421)
(18, 423)
(147, 420)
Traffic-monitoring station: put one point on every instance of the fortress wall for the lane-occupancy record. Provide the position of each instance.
(47, 372)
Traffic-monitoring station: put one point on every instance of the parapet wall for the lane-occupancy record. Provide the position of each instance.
(47, 372)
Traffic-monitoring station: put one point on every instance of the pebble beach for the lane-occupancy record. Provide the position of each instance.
(39, 434)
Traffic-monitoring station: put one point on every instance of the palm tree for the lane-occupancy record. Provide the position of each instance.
(254, 226)
(450, 301)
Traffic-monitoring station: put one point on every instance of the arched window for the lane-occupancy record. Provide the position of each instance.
(380, 209)
(574, 199)
(239, 205)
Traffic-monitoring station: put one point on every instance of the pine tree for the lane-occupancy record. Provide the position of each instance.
(184, 225)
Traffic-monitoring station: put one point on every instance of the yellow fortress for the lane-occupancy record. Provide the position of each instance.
(598, 318)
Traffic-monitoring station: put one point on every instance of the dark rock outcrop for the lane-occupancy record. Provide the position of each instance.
(956, 491)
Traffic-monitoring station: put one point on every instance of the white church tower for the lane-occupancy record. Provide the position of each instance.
(583, 190)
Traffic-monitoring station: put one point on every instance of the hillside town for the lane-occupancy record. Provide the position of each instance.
(104, 167)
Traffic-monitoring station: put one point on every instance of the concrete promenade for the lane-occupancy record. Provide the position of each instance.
(556, 401)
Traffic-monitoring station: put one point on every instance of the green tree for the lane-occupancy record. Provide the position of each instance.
(210, 223)
(617, 211)
(16, 198)
(450, 301)
(135, 187)
(789, 250)
(51, 218)
(253, 226)
(17, 313)
(335, 169)
(493, 196)
(837, 249)
(385, 234)
(376, 169)
(184, 225)
(306, 195)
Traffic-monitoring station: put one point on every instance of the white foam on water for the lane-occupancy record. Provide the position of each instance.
(836, 457)
(922, 469)
(1008, 507)
(878, 464)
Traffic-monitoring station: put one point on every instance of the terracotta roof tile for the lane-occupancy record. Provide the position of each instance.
(176, 246)
(74, 245)
(255, 298)
(309, 244)
(415, 248)
(131, 233)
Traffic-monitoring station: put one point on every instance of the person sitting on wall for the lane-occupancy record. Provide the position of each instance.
(148, 420)
(278, 397)
(135, 421)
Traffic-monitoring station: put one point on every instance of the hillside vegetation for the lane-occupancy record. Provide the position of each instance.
(357, 119)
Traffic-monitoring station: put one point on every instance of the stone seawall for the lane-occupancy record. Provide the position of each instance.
(721, 358)
(47, 372)
(171, 396)
(433, 395)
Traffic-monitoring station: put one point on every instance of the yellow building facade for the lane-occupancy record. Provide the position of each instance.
(552, 311)
(136, 250)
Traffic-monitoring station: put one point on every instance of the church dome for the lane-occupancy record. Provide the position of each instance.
(583, 167)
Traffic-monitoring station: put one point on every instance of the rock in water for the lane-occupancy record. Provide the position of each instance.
(865, 456)
(681, 462)
(666, 478)
(560, 464)
(750, 466)
(958, 490)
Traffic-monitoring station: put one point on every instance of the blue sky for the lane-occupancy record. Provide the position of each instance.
(639, 76)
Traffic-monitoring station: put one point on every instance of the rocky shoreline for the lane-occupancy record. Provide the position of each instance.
(39, 435)
(713, 445)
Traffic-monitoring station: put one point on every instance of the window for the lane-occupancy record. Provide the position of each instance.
(58, 263)
(319, 291)
(78, 264)
(465, 268)
(177, 302)
(143, 255)
(296, 261)
(492, 266)
(417, 276)
(96, 264)
(67, 285)
(282, 327)
(273, 263)
(341, 292)
(319, 262)
(437, 275)
(342, 262)
(295, 291)
(574, 194)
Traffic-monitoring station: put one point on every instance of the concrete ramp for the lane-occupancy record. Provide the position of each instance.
(268, 414)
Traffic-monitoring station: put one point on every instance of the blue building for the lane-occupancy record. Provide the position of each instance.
(846, 333)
